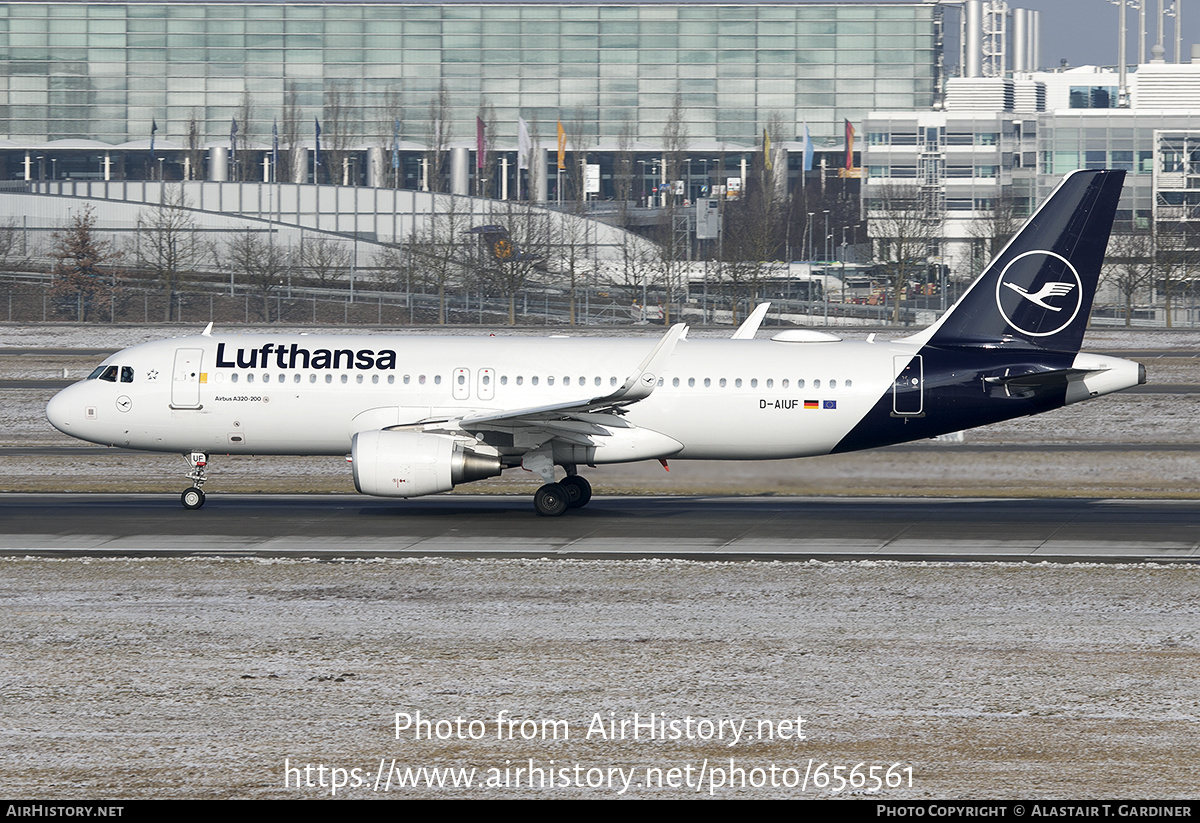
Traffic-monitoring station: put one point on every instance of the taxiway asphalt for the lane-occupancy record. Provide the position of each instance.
(701, 528)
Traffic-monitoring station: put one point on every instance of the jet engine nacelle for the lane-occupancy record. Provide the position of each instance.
(410, 464)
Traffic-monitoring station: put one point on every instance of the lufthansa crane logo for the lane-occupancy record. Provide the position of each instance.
(1039, 293)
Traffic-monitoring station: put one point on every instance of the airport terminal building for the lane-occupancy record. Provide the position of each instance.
(403, 77)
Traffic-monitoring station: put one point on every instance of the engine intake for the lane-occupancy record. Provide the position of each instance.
(411, 464)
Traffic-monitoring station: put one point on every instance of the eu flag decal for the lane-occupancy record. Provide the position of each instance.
(831, 404)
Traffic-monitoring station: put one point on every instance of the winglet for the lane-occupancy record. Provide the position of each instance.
(749, 327)
(642, 382)
(207, 330)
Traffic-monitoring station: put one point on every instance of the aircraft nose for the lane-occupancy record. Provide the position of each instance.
(58, 411)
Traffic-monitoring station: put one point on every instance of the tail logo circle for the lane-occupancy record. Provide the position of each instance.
(1039, 293)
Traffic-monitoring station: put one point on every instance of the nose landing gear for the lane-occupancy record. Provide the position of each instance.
(193, 498)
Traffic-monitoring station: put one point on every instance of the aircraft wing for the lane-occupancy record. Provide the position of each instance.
(588, 412)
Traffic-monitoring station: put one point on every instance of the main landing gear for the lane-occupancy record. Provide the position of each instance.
(553, 499)
(193, 498)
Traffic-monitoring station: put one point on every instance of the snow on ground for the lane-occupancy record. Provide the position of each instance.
(198, 678)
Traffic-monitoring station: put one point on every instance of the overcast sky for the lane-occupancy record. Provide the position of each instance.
(1085, 31)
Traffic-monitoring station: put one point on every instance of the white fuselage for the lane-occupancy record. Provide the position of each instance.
(309, 394)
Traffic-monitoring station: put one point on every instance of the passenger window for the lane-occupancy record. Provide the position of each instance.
(126, 374)
(406, 379)
(816, 384)
(487, 380)
(329, 378)
(249, 378)
(233, 378)
(295, 378)
(833, 384)
(597, 381)
(391, 378)
(421, 380)
(358, 378)
(737, 383)
(437, 380)
(345, 378)
(566, 381)
(691, 382)
(754, 382)
(784, 383)
(550, 381)
(520, 380)
(533, 380)
(707, 382)
(374, 378)
(847, 384)
(312, 378)
(109, 374)
(722, 383)
(770, 384)
(675, 382)
(800, 383)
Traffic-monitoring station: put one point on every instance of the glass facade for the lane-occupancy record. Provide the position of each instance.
(108, 71)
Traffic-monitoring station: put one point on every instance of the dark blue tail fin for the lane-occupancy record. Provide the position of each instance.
(1038, 291)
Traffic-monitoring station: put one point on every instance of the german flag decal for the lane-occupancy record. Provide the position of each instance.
(812, 404)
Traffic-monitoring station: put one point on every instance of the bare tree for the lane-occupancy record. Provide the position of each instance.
(673, 243)
(195, 152)
(1173, 261)
(13, 254)
(243, 156)
(1130, 264)
(295, 156)
(509, 262)
(261, 263)
(324, 261)
(437, 140)
(438, 252)
(534, 160)
(86, 269)
(169, 243)
(904, 228)
(623, 171)
(339, 109)
(579, 139)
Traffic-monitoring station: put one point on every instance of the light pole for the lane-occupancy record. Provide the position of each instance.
(808, 241)
(826, 249)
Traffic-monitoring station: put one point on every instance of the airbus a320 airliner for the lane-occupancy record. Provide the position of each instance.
(422, 415)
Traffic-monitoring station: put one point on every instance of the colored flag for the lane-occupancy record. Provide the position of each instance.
(849, 145)
(562, 148)
(830, 404)
(808, 149)
(812, 404)
(480, 144)
(767, 151)
(524, 147)
(153, 129)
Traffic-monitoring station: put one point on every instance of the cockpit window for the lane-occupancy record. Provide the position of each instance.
(109, 374)
(126, 374)
(95, 373)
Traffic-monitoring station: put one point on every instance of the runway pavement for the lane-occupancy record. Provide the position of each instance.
(702, 528)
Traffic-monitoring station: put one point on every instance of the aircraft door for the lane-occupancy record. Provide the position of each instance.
(461, 381)
(487, 384)
(185, 382)
(908, 392)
